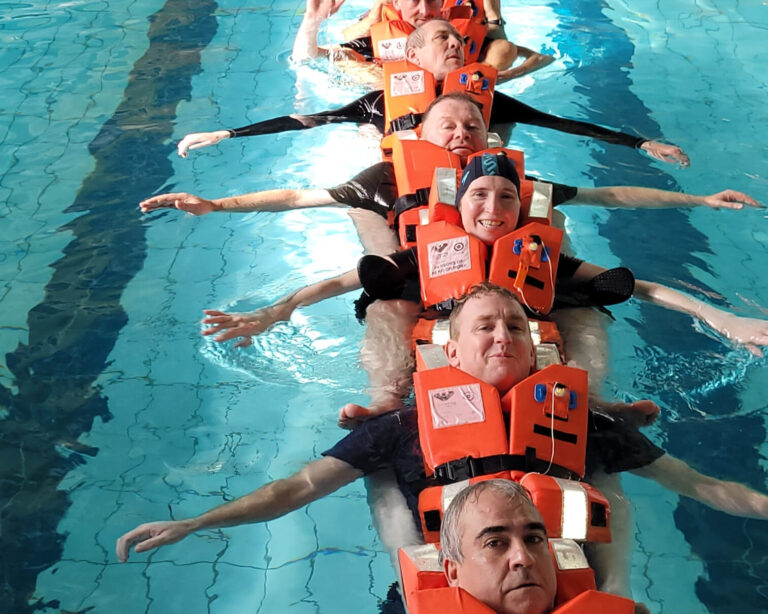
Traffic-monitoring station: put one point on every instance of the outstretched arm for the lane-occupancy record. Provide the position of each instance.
(506, 110)
(363, 26)
(533, 61)
(628, 197)
(317, 11)
(749, 332)
(267, 200)
(368, 109)
(228, 326)
(729, 497)
(271, 501)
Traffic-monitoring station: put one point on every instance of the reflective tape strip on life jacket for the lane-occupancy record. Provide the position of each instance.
(410, 213)
(525, 261)
(408, 89)
(388, 38)
(477, 81)
(473, 34)
(548, 417)
(571, 509)
(458, 416)
(450, 262)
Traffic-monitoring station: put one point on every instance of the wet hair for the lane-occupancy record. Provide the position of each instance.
(416, 39)
(450, 531)
(458, 97)
(484, 288)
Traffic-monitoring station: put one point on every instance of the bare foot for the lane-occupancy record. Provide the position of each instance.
(640, 413)
(352, 415)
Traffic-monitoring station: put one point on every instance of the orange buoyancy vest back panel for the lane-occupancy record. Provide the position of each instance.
(548, 417)
(388, 38)
(455, 8)
(525, 261)
(477, 81)
(458, 416)
(473, 34)
(450, 262)
(408, 89)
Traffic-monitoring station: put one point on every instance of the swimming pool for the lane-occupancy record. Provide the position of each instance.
(115, 411)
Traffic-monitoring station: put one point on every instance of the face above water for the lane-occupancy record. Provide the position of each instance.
(456, 126)
(490, 208)
(442, 51)
(493, 342)
(506, 561)
(418, 12)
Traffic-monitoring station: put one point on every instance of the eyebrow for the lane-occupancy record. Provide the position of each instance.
(531, 526)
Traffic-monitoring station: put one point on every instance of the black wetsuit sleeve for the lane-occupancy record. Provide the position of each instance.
(507, 110)
(368, 109)
(362, 45)
(374, 189)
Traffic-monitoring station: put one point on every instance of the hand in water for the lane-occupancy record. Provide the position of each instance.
(197, 140)
(666, 153)
(228, 326)
(178, 200)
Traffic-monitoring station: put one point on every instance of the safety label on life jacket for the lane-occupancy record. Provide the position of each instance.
(392, 49)
(449, 256)
(407, 83)
(456, 405)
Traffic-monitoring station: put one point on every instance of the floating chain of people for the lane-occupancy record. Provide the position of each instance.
(503, 472)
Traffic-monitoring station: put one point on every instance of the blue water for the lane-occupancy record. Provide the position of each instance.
(115, 411)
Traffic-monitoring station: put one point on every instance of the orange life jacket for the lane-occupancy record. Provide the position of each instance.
(409, 89)
(426, 177)
(388, 38)
(464, 439)
(451, 261)
(475, 10)
(426, 589)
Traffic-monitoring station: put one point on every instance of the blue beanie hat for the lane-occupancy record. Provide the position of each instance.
(487, 164)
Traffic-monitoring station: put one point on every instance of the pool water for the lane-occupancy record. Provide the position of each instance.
(115, 411)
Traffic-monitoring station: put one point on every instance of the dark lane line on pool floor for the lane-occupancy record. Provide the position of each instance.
(74, 328)
(731, 549)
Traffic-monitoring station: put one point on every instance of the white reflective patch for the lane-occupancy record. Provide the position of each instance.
(450, 491)
(424, 556)
(575, 509)
(445, 183)
(449, 256)
(541, 200)
(456, 406)
(494, 140)
(406, 83)
(568, 554)
(547, 354)
(423, 217)
(441, 332)
(433, 355)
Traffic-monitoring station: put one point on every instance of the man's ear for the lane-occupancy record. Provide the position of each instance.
(450, 569)
(410, 55)
(451, 349)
